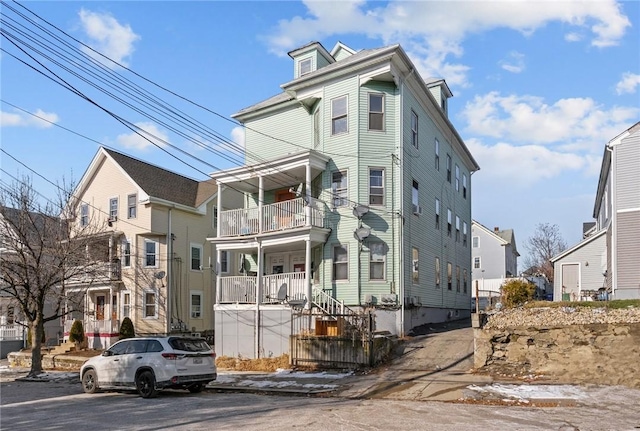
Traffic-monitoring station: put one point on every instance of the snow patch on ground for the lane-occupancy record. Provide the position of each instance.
(533, 392)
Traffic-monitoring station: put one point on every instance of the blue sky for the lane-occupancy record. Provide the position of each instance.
(539, 86)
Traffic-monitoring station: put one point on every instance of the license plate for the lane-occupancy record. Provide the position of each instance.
(197, 360)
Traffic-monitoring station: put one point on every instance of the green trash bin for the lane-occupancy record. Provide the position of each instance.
(566, 297)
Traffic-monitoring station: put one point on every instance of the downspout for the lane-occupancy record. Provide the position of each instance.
(613, 224)
(169, 271)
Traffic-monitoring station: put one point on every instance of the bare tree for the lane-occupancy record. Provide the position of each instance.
(42, 250)
(545, 243)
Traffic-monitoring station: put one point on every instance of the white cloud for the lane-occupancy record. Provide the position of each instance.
(40, 119)
(628, 83)
(432, 31)
(523, 165)
(573, 37)
(149, 131)
(514, 63)
(238, 136)
(108, 36)
(530, 120)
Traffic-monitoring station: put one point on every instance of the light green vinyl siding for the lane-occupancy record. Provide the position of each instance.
(290, 131)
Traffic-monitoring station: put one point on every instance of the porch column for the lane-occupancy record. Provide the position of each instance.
(258, 332)
(218, 252)
(307, 270)
(260, 202)
(307, 193)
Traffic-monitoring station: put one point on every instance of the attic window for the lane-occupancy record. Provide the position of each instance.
(305, 66)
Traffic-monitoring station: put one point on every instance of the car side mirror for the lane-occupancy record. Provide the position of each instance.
(107, 353)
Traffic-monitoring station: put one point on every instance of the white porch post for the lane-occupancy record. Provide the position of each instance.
(260, 203)
(218, 253)
(307, 208)
(307, 270)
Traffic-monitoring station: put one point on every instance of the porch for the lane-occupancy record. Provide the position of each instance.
(276, 288)
(290, 214)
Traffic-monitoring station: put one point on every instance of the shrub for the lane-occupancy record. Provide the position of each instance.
(76, 334)
(126, 329)
(516, 292)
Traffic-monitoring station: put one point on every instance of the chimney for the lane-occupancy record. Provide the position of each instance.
(496, 229)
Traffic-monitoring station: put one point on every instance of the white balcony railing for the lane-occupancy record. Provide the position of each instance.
(284, 215)
(11, 332)
(242, 289)
(93, 326)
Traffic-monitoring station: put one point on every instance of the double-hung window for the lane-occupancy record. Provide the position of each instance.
(464, 186)
(376, 111)
(464, 233)
(196, 304)
(414, 129)
(449, 222)
(151, 253)
(437, 213)
(476, 263)
(126, 304)
(475, 241)
(457, 278)
(377, 252)
(132, 206)
(415, 269)
(414, 198)
(339, 188)
(376, 186)
(449, 276)
(305, 66)
(126, 253)
(224, 261)
(340, 262)
(196, 257)
(464, 280)
(437, 273)
(339, 117)
(437, 153)
(113, 208)
(84, 214)
(457, 178)
(457, 229)
(448, 168)
(150, 304)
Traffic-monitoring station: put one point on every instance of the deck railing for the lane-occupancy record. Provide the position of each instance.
(276, 288)
(284, 215)
(11, 332)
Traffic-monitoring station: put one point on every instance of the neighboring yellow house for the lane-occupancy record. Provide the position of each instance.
(158, 269)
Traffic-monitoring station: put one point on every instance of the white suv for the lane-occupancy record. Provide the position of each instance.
(150, 364)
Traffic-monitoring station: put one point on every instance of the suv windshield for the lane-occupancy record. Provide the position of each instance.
(189, 344)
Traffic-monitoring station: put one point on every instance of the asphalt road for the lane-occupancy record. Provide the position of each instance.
(61, 405)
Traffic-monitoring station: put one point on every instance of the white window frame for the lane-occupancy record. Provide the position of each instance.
(437, 213)
(343, 262)
(477, 264)
(380, 113)
(437, 154)
(458, 278)
(449, 222)
(414, 129)
(84, 214)
(415, 265)
(132, 207)
(147, 254)
(214, 217)
(126, 305)
(126, 253)
(376, 259)
(194, 246)
(464, 186)
(438, 273)
(224, 261)
(457, 178)
(465, 233)
(113, 208)
(415, 197)
(335, 117)
(378, 188)
(301, 66)
(449, 276)
(146, 304)
(449, 161)
(340, 191)
(195, 311)
(475, 242)
(457, 229)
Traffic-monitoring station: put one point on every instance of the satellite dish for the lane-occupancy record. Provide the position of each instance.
(360, 210)
(160, 274)
(361, 233)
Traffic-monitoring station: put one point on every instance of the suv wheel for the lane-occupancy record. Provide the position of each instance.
(146, 384)
(197, 388)
(89, 382)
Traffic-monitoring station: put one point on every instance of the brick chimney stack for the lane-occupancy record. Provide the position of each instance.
(496, 229)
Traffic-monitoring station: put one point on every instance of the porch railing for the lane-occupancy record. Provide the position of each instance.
(284, 215)
(98, 271)
(275, 288)
(92, 326)
(11, 332)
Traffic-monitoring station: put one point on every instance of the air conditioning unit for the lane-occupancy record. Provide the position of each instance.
(113, 219)
(195, 334)
(388, 299)
(417, 209)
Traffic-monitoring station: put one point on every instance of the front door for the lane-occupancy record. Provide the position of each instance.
(570, 282)
(114, 308)
(100, 301)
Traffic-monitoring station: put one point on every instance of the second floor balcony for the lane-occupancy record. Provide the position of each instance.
(290, 214)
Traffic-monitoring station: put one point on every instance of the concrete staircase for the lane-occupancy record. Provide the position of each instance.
(65, 347)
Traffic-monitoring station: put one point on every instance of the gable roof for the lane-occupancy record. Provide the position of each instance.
(505, 236)
(156, 182)
(579, 245)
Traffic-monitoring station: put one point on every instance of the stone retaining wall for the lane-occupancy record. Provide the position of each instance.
(600, 353)
(49, 361)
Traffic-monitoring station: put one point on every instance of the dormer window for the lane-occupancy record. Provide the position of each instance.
(305, 66)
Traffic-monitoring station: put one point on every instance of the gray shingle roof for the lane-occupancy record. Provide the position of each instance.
(163, 184)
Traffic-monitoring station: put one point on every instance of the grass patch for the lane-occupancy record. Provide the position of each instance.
(615, 304)
(260, 364)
